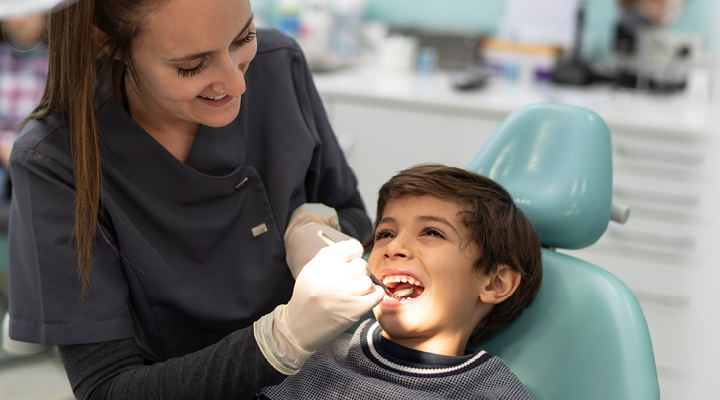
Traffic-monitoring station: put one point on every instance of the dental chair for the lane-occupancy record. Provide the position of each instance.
(585, 336)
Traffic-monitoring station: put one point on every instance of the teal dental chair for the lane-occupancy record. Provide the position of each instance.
(585, 336)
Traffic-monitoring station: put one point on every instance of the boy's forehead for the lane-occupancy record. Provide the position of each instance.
(453, 203)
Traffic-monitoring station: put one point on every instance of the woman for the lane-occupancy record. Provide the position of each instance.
(141, 172)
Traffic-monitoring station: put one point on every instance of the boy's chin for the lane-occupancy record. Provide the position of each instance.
(394, 325)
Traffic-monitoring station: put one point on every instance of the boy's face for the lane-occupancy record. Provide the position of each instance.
(422, 240)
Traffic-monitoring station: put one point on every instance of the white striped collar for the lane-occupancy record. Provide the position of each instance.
(379, 356)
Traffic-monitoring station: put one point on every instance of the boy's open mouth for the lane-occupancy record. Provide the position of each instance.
(400, 282)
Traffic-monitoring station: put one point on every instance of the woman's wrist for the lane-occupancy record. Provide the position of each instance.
(278, 344)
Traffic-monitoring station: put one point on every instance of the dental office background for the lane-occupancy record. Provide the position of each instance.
(396, 97)
(487, 16)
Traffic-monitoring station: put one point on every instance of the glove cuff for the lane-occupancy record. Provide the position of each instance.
(311, 212)
(301, 240)
(278, 344)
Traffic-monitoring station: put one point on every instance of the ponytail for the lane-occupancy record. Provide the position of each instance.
(70, 89)
(77, 62)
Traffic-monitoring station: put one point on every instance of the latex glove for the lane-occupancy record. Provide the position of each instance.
(301, 240)
(16, 347)
(331, 293)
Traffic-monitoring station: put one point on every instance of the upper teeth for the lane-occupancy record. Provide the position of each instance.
(214, 98)
(403, 279)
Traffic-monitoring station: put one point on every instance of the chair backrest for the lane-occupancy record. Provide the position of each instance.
(584, 336)
(556, 161)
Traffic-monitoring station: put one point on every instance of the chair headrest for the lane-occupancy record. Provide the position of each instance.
(556, 162)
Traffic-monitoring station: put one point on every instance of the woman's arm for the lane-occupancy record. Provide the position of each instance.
(231, 368)
(353, 218)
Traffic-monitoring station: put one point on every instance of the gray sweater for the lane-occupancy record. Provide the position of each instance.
(368, 366)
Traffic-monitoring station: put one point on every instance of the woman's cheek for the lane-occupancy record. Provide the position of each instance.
(182, 90)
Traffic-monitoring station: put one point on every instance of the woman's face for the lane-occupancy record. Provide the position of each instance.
(190, 63)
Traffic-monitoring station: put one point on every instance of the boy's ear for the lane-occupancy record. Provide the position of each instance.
(500, 285)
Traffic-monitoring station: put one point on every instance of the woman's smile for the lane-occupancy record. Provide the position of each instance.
(217, 101)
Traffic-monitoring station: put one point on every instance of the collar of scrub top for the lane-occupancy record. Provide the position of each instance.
(21, 8)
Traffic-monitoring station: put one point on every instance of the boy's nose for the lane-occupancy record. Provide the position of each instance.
(398, 255)
(398, 248)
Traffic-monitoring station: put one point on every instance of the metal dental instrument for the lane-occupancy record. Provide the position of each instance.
(375, 280)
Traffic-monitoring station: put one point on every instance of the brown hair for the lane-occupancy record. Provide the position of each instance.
(76, 67)
(502, 231)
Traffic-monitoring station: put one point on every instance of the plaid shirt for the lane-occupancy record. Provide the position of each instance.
(22, 81)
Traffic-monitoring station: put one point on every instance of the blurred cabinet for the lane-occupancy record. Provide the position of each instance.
(666, 168)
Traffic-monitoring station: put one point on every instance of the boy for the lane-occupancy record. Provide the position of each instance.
(473, 261)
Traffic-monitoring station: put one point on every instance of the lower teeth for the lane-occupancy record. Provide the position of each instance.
(401, 299)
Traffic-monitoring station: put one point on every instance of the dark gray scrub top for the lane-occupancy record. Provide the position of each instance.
(190, 270)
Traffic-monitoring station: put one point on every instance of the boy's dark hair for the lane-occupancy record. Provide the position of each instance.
(502, 231)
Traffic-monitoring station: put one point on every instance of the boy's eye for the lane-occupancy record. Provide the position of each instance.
(433, 232)
(384, 234)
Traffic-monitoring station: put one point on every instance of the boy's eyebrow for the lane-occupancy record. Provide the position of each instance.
(438, 219)
(386, 220)
(424, 218)
(203, 54)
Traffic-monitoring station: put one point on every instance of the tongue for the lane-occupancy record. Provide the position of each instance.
(403, 286)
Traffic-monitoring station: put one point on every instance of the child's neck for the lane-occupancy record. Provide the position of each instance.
(446, 346)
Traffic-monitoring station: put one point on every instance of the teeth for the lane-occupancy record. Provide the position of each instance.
(403, 300)
(403, 279)
(222, 96)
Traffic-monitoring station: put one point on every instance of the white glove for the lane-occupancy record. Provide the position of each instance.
(331, 293)
(301, 240)
(16, 347)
